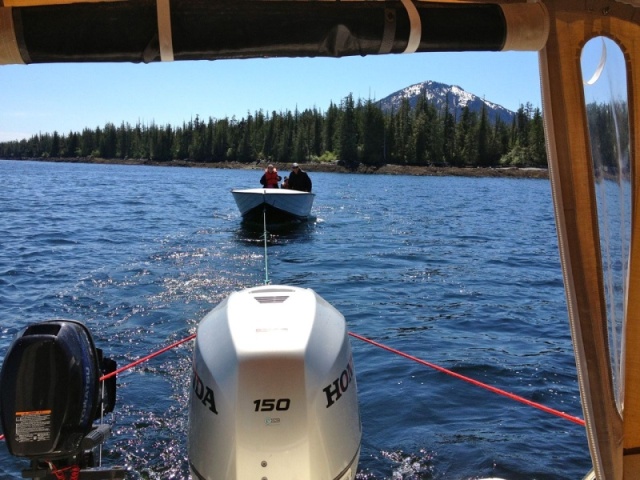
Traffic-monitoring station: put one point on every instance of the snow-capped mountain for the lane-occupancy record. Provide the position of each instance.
(438, 93)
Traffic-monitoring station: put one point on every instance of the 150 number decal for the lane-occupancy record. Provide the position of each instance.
(271, 404)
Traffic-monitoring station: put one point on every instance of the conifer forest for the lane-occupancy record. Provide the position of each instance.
(351, 133)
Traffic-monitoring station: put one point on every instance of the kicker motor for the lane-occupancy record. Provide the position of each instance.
(51, 395)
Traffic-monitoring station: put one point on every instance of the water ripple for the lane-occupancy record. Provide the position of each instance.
(456, 271)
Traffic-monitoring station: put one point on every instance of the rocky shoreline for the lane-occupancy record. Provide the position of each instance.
(509, 172)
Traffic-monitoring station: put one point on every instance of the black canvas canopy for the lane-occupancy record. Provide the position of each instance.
(148, 31)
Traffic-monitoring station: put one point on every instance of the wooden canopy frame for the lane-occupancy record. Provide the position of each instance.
(614, 437)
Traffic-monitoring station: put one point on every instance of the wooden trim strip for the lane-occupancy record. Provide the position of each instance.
(164, 30)
(9, 51)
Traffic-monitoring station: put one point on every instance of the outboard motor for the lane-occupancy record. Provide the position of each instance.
(51, 395)
(274, 390)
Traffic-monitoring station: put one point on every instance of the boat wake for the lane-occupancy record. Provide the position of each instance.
(403, 465)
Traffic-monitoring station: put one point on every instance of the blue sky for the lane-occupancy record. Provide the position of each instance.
(65, 97)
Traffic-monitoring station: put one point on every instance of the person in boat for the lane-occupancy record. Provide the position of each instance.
(285, 182)
(270, 178)
(298, 179)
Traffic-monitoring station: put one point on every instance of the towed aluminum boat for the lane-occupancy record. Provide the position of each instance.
(279, 205)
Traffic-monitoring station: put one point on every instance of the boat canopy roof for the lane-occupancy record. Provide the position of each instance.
(42, 31)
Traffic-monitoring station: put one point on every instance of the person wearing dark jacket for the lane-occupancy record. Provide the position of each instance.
(270, 178)
(299, 180)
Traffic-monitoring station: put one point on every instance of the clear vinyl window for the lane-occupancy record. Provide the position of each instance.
(605, 91)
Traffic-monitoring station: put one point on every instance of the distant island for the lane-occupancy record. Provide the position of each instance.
(404, 135)
(428, 126)
(509, 172)
(425, 129)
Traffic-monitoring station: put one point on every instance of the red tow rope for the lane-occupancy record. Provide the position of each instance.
(499, 391)
(60, 474)
(148, 357)
(504, 393)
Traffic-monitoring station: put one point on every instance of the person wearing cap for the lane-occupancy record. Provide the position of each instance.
(298, 179)
(270, 178)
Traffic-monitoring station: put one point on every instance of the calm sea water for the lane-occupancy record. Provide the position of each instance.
(461, 272)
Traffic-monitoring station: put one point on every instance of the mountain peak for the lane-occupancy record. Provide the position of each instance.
(438, 93)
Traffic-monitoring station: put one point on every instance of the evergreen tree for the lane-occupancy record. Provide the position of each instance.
(243, 150)
(427, 133)
(419, 139)
(72, 145)
(317, 133)
(221, 142)
(284, 144)
(536, 140)
(259, 134)
(300, 146)
(466, 152)
(373, 134)
(448, 135)
(123, 141)
(55, 145)
(181, 143)
(138, 143)
(108, 141)
(501, 135)
(87, 142)
(330, 129)
(403, 151)
(348, 148)
(195, 140)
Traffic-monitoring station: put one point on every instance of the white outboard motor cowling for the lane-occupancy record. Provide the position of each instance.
(274, 391)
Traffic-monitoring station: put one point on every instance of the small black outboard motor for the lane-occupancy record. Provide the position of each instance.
(50, 396)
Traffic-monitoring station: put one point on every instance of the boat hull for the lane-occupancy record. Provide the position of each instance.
(279, 205)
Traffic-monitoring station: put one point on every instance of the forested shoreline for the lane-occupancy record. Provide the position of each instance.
(354, 135)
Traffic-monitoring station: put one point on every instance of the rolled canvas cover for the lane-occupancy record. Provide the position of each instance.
(150, 30)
